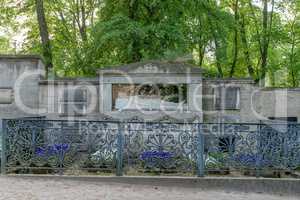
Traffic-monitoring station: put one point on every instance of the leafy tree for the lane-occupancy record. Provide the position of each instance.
(291, 44)
(44, 34)
(131, 31)
(229, 38)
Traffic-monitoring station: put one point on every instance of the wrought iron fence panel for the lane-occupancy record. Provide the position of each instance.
(280, 146)
(160, 147)
(231, 147)
(21, 139)
(56, 146)
(101, 144)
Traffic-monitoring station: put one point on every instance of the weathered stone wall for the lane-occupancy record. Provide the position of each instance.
(194, 87)
(18, 90)
(278, 103)
(33, 92)
(51, 94)
(243, 114)
(256, 103)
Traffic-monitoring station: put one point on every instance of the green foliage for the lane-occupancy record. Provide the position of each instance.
(4, 45)
(226, 37)
(152, 31)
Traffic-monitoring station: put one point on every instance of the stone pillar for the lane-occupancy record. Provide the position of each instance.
(105, 97)
(194, 96)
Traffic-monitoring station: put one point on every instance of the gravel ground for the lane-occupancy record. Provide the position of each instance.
(35, 189)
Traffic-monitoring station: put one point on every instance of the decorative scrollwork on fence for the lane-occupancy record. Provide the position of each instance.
(61, 144)
(174, 140)
(252, 147)
(139, 147)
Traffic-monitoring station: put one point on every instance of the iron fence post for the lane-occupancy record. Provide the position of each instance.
(200, 152)
(60, 156)
(259, 152)
(286, 147)
(120, 148)
(3, 150)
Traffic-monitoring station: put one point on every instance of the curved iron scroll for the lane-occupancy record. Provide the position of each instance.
(137, 147)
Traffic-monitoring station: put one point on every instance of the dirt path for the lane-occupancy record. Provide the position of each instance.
(39, 189)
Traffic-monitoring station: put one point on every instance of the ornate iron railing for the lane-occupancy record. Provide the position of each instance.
(57, 146)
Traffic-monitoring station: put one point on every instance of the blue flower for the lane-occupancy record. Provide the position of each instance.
(156, 154)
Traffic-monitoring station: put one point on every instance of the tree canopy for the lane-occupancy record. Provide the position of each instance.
(229, 38)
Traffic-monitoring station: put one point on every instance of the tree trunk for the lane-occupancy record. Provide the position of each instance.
(218, 53)
(267, 28)
(218, 57)
(136, 55)
(201, 46)
(235, 40)
(292, 74)
(44, 34)
(264, 56)
(246, 47)
(257, 28)
(201, 54)
(82, 28)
